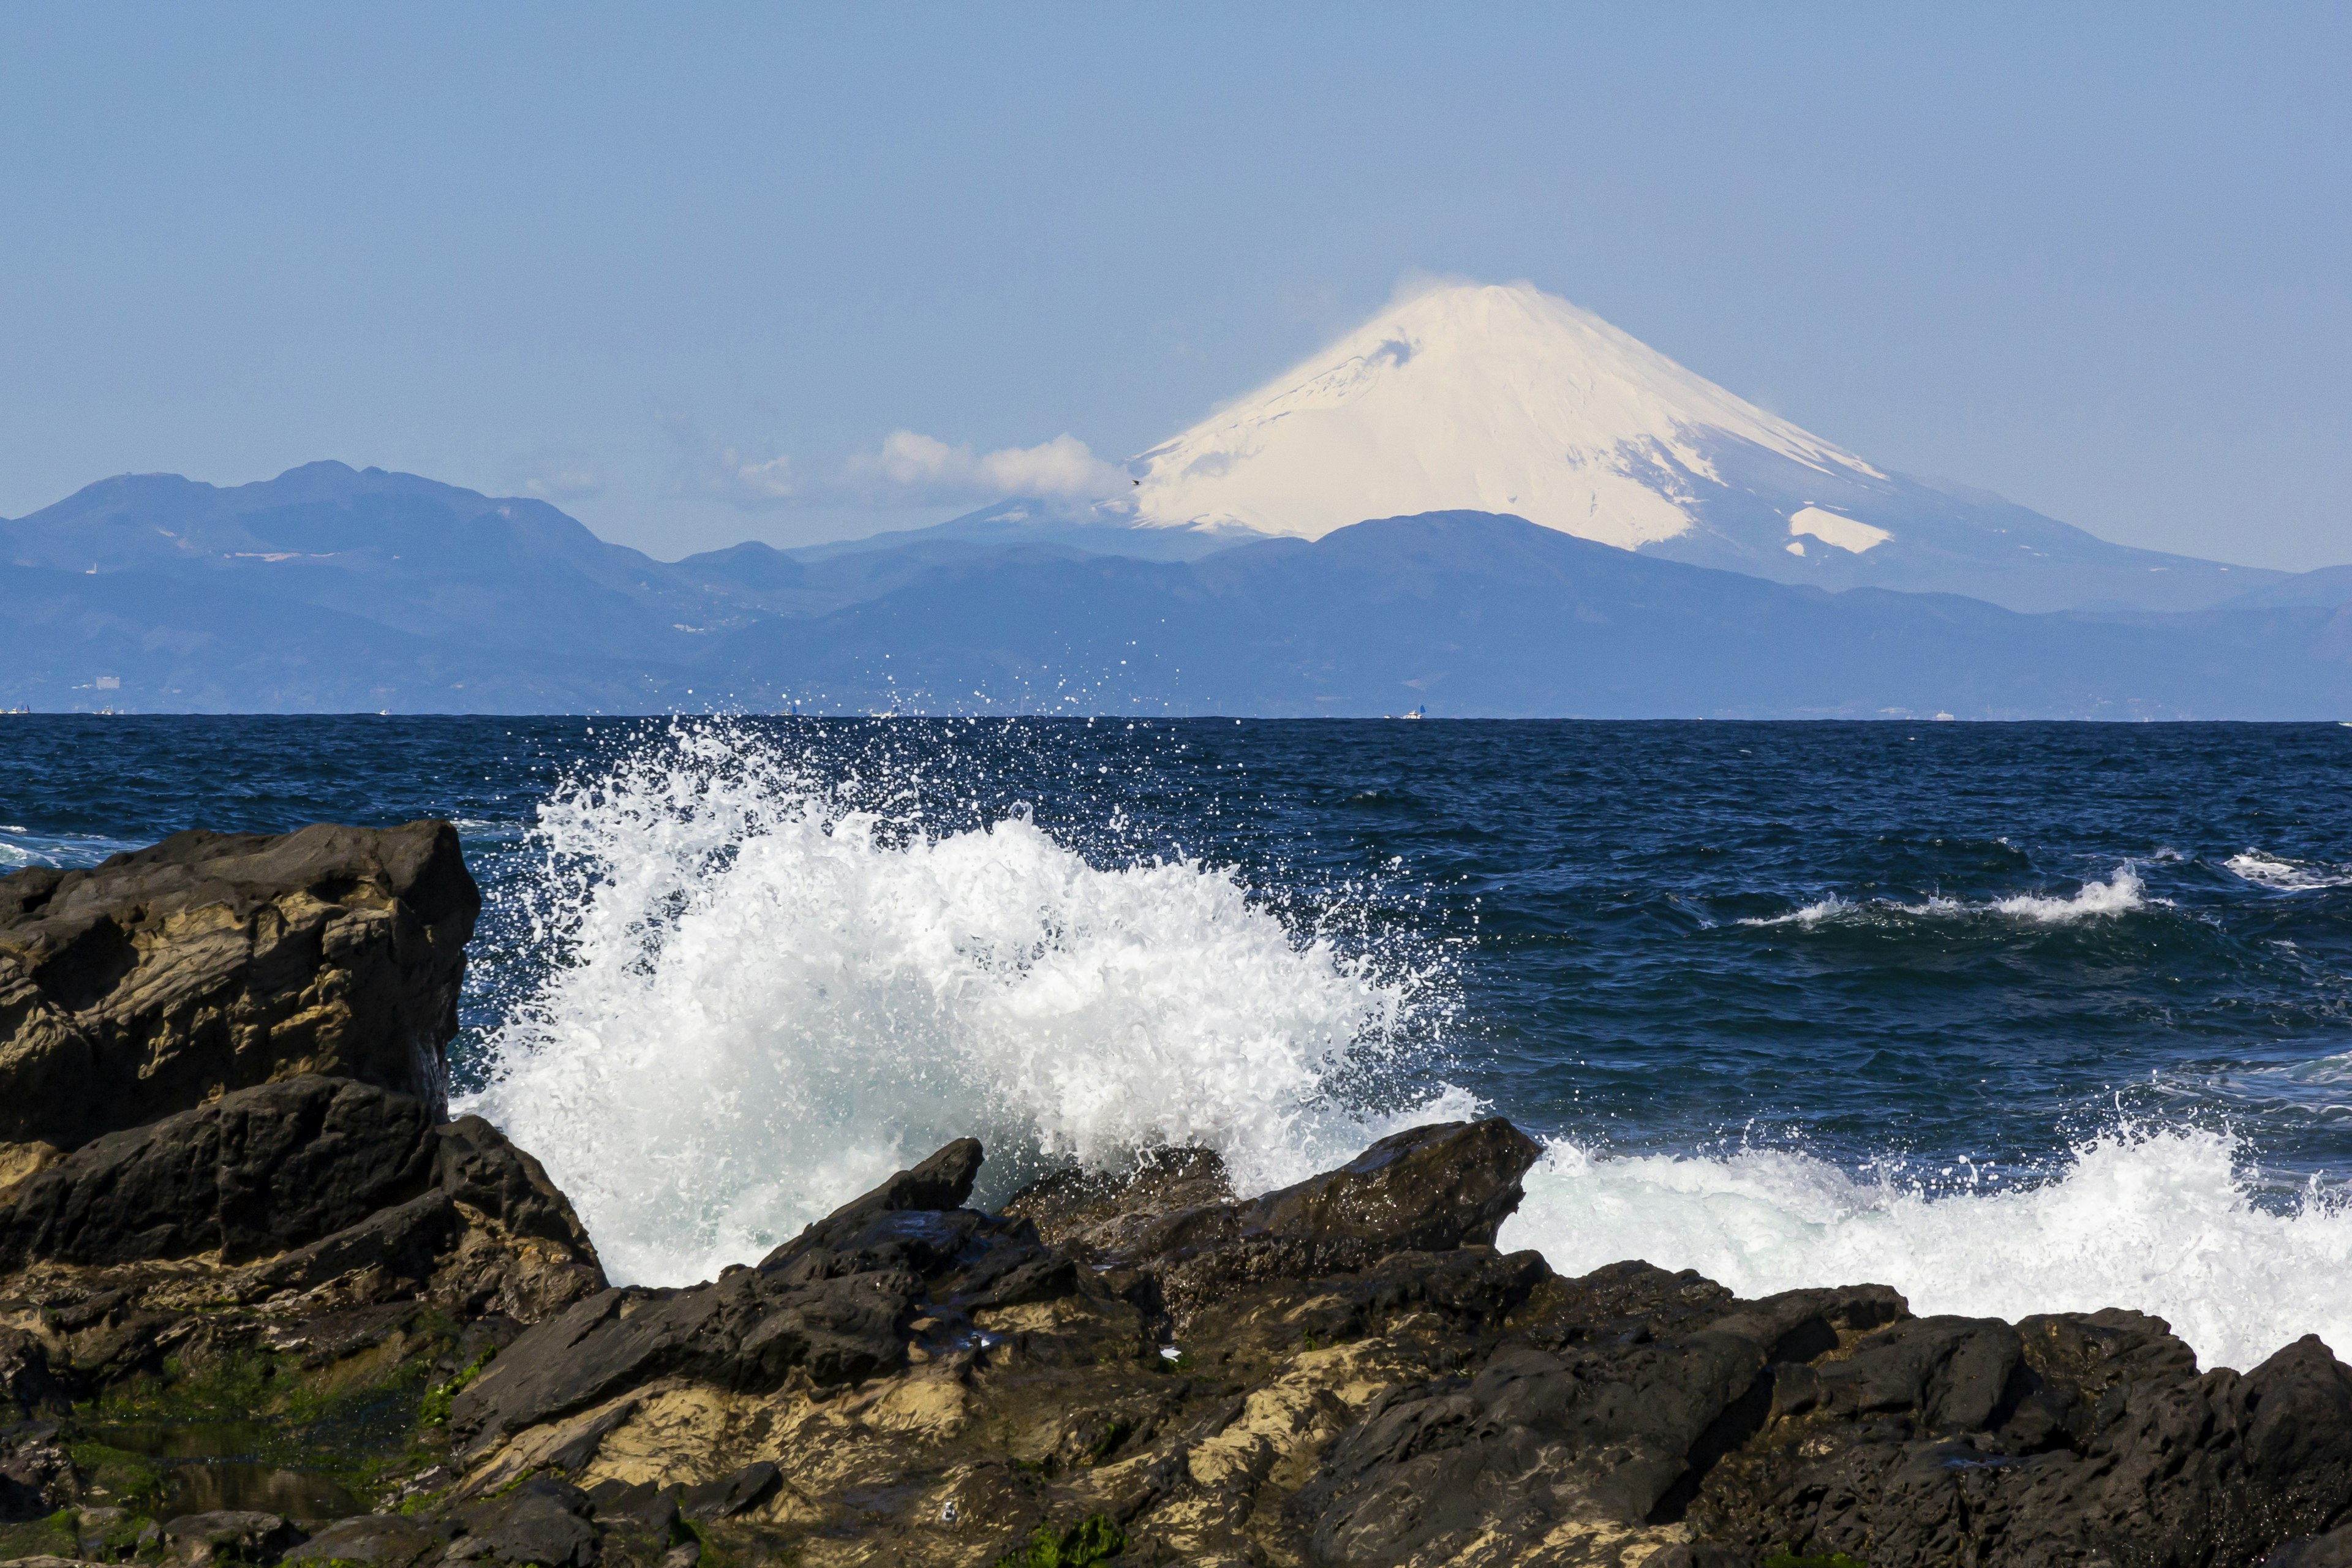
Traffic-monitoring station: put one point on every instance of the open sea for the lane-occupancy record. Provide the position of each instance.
(2012, 1018)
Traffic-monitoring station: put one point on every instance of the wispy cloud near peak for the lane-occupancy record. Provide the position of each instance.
(556, 474)
(910, 470)
(709, 469)
(913, 469)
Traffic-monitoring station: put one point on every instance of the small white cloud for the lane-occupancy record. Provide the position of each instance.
(911, 469)
(914, 470)
(555, 474)
(712, 471)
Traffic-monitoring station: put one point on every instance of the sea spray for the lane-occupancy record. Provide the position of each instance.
(768, 997)
(2160, 1220)
(783, 971)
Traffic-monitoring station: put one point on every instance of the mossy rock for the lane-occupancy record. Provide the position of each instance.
(51, 1537)
(1093, 1539)
(116, 1474)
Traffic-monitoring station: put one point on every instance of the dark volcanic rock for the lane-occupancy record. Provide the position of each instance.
(543, 1521)
(229, 1536)
(1359, 1378)
(380, 1540)
(2066, 1438)
(37, 1475)
(731, 1495)
(216, 961)
(832, 1306)
(1429, 1189)
(257, 1172)
(318, 1175)
(317, 1224)
(2333, 1550)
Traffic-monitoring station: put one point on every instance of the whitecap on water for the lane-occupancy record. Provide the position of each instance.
(2287, 876)
(2122, 893)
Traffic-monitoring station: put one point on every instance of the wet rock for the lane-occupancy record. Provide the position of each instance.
(307, 1181)
(1429, 1189)
(382, 1540)
(731, 1495)
(1095, 1214)
(542, 1521)
(834, 1305)
(102, 1534)
(642, 1524)
(213, 961)
(2333, 1550)
(254, 1172)
(1358, 1377)
(26, 1381)
(36, 1477)
(476, 1166)
(1607, 1408)
(2065, 1438)
(227, 1536)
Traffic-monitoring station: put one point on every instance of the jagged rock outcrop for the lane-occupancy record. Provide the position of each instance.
(1344, 1373)
(290, 1185)
(216, 961)
(835, 1305)
(312, 1184)
(313, 1257)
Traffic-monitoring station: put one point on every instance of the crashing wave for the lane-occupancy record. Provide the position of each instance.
(2161, 1221)
(771, 1000)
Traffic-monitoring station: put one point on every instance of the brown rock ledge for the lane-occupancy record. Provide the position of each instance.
(216, 961)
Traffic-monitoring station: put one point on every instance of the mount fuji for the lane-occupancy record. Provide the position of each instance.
(1485, 502)
(1504, 399)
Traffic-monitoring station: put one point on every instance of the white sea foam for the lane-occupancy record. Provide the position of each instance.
(1812, 914)
(772, 1002)
(2122, 893)
(2287, 876)
(2160, 1221)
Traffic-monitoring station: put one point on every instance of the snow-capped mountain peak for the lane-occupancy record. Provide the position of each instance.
(1491, 397)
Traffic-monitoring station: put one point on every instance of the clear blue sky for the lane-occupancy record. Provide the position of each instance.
(2099, 259)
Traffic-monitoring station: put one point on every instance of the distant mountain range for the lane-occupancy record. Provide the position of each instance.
(1567, 522)
(331, 589)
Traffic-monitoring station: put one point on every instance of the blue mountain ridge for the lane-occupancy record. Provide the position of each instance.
(333, 589)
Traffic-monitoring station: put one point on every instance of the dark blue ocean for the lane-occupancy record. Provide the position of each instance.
(1984, 1010)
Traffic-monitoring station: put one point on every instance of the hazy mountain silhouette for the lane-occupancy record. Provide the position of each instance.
(334, 589)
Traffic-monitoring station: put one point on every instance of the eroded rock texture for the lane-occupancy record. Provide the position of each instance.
(1349, 1372)
(216, 961)
(404, 1318)
(300, 1262)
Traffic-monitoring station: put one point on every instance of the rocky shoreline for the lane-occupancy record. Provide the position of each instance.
(261, 1300)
